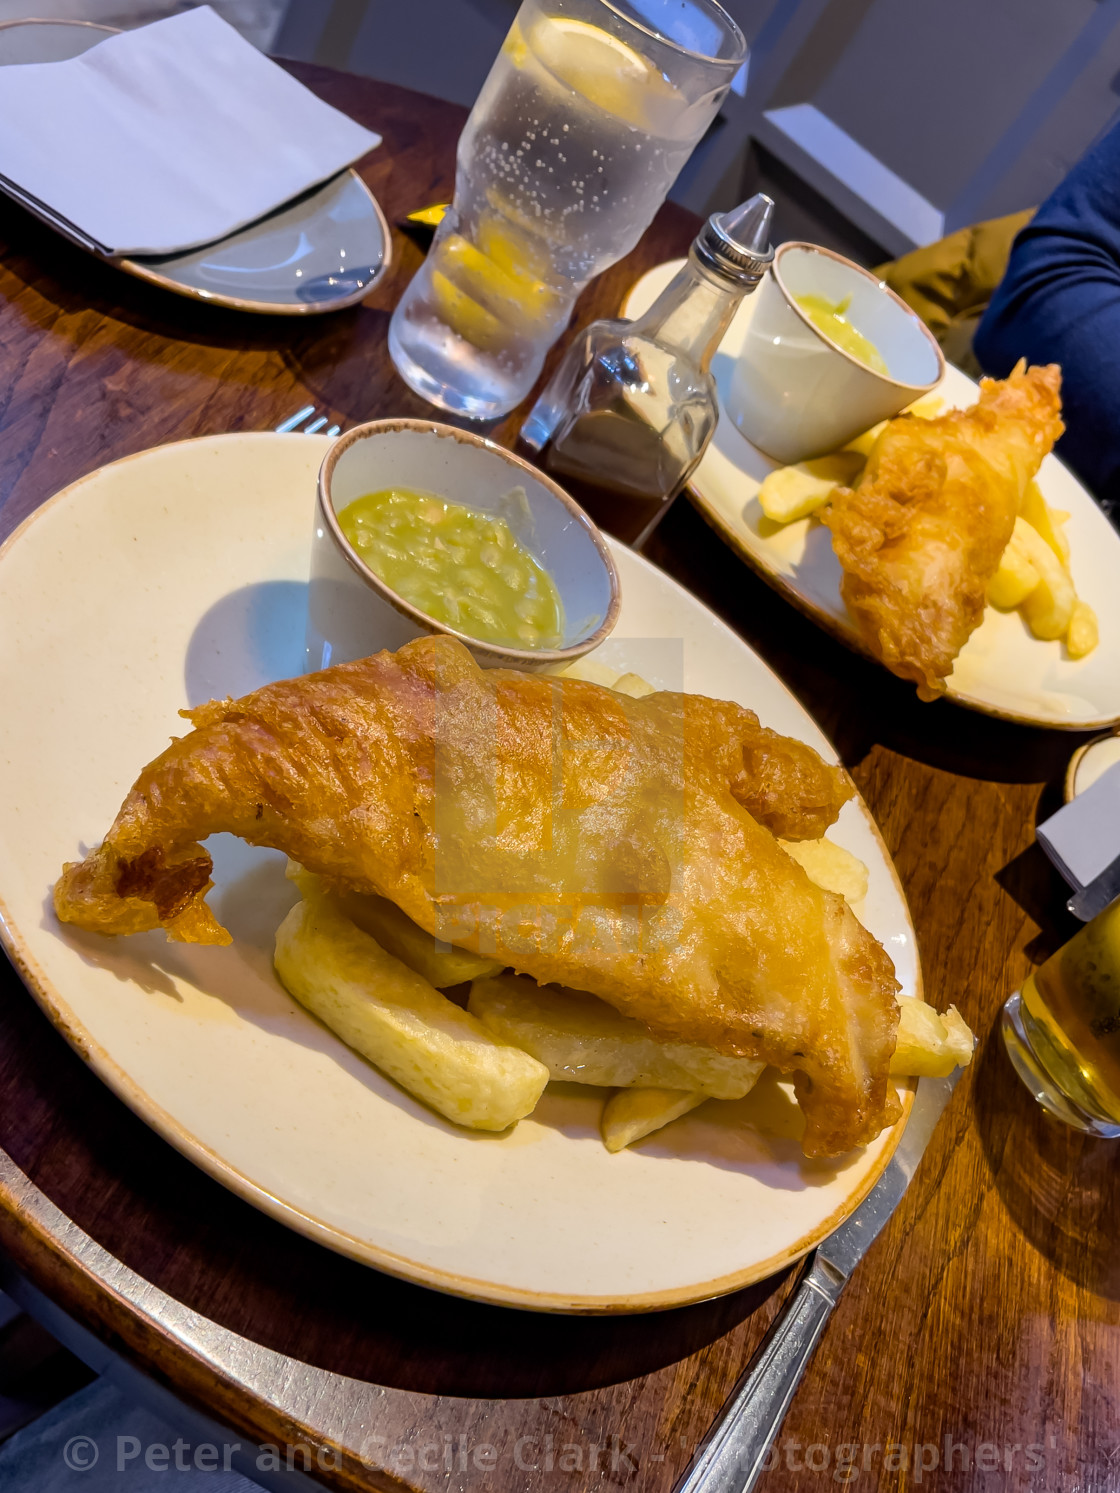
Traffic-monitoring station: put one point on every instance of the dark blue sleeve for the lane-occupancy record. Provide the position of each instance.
(1059, 302)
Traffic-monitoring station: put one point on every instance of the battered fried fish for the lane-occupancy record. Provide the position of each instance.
(921, 536)
(621, 846)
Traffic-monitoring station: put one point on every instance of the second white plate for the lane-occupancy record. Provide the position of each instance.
(1002, 670)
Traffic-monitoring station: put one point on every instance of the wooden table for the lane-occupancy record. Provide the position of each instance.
(986, 1319)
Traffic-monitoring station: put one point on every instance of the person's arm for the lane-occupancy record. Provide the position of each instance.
(1059, 302)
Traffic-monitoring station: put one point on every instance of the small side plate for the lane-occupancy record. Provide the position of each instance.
(319, 253)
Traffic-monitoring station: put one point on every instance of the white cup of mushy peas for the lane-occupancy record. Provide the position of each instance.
(421, 528)
(829, 351)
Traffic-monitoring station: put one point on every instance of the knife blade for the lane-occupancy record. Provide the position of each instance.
(1087, 901)
(732, 1455)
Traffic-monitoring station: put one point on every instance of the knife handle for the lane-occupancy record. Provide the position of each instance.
(730, 1458)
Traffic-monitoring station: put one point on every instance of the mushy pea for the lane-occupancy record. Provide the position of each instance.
(832, 321)
(462, 567)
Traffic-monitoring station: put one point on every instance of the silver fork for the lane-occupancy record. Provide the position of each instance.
(313, 426)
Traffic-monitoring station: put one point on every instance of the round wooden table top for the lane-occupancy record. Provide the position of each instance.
(978, 1345)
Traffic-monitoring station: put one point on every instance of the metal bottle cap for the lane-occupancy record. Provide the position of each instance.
(737, 244)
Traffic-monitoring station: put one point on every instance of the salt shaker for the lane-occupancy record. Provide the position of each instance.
(628, 414)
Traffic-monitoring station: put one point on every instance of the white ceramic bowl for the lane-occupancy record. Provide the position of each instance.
(795, 394)
(1090, 762)
(353, 613)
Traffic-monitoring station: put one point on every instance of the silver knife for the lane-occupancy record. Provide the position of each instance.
(1087, 901)
(733, 1453)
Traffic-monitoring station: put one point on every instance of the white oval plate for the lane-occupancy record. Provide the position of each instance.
(1002, 670)
(179, 574)
(319, 253)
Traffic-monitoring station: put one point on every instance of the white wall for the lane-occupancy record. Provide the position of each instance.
(910, 118)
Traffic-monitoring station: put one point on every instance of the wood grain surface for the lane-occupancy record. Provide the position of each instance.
(983, 1327)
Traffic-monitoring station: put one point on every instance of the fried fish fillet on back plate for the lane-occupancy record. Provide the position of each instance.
(922, 534)
(621, 846)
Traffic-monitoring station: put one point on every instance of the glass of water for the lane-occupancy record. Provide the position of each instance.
(589, 112)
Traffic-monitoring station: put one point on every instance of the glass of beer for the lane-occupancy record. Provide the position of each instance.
(589, 112)
(1062, 1030)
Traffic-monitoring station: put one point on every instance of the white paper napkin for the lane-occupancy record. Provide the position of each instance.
(169, 136)
(1083, 837)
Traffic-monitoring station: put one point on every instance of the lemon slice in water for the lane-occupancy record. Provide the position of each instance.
(505, 290)
(465, 316)
(598, 66)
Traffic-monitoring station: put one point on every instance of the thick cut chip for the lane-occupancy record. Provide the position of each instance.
(1017, 576)
(830, 867)
(634, 686)
(929, 1045)
(440, 964)
(1049, 606)
(790, 493)
(1083, 634)
(1046, 521)
(581, 1039)
(400, 1023)
(632, 1114)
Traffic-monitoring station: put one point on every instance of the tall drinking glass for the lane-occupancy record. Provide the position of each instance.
(589, 112)
(1062, 1030)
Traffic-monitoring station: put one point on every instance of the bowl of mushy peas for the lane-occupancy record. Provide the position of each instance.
(423, 528)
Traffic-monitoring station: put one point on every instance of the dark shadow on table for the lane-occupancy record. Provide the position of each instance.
(1061, 1188)
(1032, 881)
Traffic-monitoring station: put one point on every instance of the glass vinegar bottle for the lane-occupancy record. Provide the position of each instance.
(632, 407)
